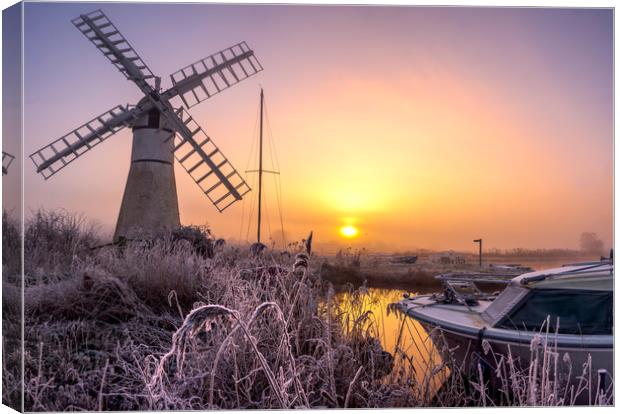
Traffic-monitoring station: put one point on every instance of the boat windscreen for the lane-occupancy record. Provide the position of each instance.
(578, 312)
(504, 303)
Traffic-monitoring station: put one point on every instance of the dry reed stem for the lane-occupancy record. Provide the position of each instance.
(100, 396)
(357, 374)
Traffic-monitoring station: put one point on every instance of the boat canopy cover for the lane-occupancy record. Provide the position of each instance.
(586, 276)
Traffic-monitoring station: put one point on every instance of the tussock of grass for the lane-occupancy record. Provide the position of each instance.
(54, 241)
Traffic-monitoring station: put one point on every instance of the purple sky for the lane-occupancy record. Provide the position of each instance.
(423, 126)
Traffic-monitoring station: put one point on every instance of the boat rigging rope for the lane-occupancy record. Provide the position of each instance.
(276, 177)
(266, 209)
(252, 206)
(247, 167)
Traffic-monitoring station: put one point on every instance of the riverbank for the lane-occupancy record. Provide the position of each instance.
(389, 273)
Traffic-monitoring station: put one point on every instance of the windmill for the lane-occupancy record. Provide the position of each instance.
(7, 159)
(161, 131)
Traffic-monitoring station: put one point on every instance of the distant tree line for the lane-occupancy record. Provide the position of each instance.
(523, 252)
(589, 244)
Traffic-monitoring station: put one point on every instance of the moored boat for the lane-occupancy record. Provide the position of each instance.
(568, 310)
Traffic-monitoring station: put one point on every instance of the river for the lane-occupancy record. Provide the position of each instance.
(404, 337)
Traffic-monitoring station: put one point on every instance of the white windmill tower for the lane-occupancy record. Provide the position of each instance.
(7, 159)
(161, 132)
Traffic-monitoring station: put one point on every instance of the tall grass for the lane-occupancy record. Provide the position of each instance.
(161, 325)
(54, 242)
(11, 312)
(550, 379)
(496, 376)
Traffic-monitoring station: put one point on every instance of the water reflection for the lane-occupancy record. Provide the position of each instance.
(416, 361)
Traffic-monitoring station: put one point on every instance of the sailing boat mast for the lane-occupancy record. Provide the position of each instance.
(264, 122)
(260, 165)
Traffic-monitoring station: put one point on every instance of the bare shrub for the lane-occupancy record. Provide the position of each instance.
(199, 237)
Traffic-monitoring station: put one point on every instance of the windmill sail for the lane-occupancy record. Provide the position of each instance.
(206, 164)
(57, 155)
(107, 38)
(211, 75)
(7, 159)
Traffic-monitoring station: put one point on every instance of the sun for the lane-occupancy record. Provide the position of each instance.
(349, 231)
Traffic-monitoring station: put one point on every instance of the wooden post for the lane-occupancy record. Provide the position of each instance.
(479, 241)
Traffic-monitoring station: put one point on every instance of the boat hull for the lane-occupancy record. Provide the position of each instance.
(467, 351)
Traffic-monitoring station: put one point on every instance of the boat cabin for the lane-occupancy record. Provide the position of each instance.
(576, 299)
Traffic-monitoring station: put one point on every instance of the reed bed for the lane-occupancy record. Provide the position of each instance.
(162, 325)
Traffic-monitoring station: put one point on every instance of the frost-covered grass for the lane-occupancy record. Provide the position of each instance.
(162, 325)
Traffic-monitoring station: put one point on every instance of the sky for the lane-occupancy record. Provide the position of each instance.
(11, 106)
(421, 127)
